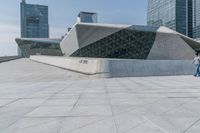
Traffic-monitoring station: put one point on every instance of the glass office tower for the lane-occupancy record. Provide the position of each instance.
(34, 21)
(196, 18)
(175, 14)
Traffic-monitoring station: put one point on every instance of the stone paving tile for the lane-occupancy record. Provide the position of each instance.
(65, 96)
(93, 110)
(94, 96)
(4, 102)
(194, 128)
(73, 123)
(50, 111)
(128, 120)
(94, 101)
(27, 102)
(104, 126)
(59, 102)
(35, 125)
(9, 115)
(147, 127)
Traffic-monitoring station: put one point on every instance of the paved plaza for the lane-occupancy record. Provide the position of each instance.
(37, 98)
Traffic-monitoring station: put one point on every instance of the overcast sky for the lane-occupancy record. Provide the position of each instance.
(62, 14)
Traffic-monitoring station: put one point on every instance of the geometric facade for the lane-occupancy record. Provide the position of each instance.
(127, 42)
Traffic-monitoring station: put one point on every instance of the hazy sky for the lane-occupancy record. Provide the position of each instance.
(62, 14)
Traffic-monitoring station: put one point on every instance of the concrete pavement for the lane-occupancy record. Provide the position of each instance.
(37, 98)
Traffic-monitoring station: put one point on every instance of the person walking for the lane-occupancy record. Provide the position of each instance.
(196, 61)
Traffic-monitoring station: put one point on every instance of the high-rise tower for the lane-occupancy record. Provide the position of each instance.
(34, 20)
(175, 14)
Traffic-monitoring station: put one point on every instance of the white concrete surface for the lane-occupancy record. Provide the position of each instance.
(170, 46)
(37, 98)
(119, 67)
(70, 43)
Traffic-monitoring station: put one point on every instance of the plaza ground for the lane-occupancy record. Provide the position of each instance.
(37, 98)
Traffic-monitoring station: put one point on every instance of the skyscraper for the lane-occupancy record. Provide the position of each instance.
(196, 18)
(87, 17)
(34, 21)
(175, 14)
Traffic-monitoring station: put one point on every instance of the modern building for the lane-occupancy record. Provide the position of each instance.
(34, 21)
(174, 14)
(87, 17)
(127, 42)
(39, 46)
(110, 50)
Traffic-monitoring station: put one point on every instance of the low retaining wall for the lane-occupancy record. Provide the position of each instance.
(129, 68)
(119, 67)
(8, 58)
(81, 65)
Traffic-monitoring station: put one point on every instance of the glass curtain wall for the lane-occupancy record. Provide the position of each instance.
(162, 13)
